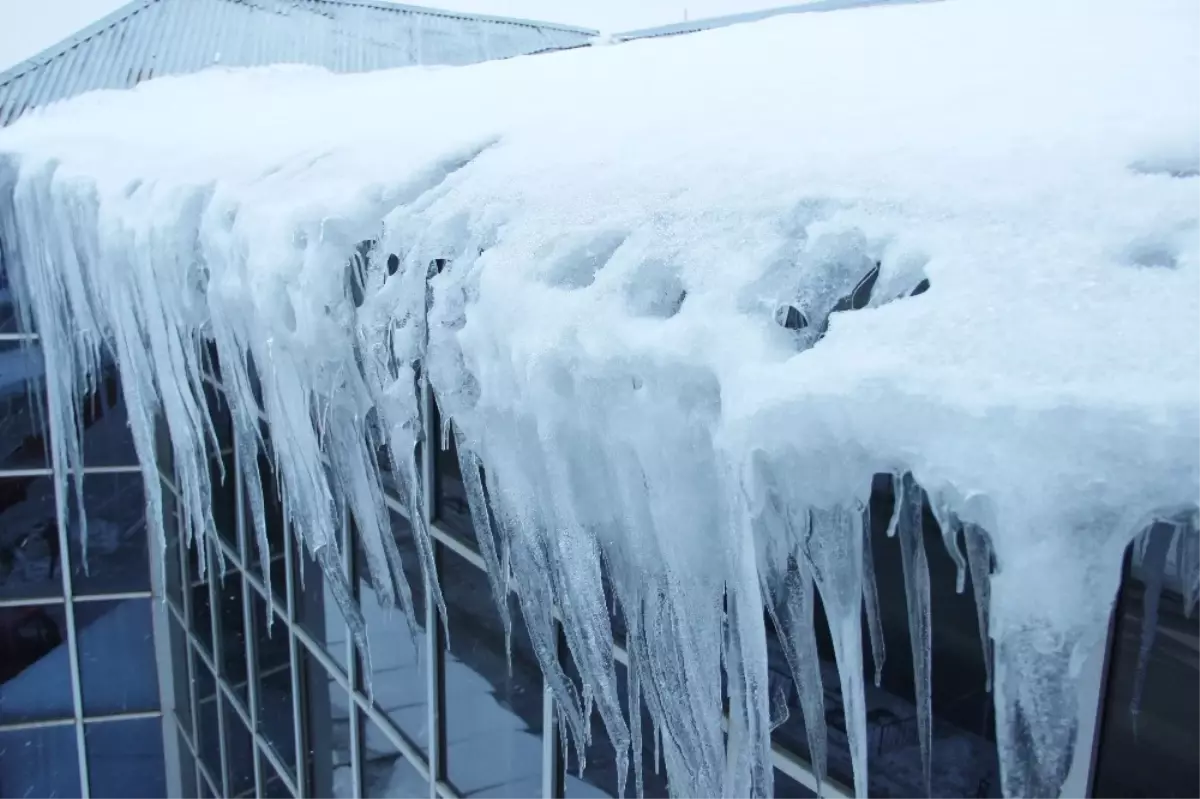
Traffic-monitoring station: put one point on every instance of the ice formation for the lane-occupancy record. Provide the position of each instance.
(681, 301)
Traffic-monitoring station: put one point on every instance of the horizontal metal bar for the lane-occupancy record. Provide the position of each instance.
(141, 714)
(19, 337)
(24, 602)
(49, 472)
(115, 597)
(18, 726)
(201, 768)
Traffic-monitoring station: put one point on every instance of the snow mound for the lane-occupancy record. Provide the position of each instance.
(682, 300)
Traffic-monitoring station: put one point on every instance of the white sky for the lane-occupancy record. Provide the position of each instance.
(29, 26)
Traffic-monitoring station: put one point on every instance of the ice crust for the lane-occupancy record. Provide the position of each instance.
(682, 301)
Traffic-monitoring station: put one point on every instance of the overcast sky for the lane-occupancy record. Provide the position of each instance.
(29, 26)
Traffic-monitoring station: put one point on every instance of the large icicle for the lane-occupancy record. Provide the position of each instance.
(979, 556)
(1157, 548)
(920, 625)
(871, 601)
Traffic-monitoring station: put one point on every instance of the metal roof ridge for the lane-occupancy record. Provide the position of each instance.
(58, 49)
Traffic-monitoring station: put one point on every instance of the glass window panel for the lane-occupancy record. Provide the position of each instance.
(1153, 752)
(117, 662)
(23, 431)
(30, 561)
(187, 768)
(788, 788)
(397, 660)
(327, 719)
(276, 721)
(385, 772)
(179, 675)
(273, 785)
(239, 751)
(125, 759)
(452, 511)
(208, 730)
(39, 762)
(224, 500)
(173, 569)
(201, 620)
(117, 556)
(493, 712)
(8, 310)
(35, 675)
(107, 438)
(317, 610)
(233, 633)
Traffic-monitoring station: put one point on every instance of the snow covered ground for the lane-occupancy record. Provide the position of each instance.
(683, 300)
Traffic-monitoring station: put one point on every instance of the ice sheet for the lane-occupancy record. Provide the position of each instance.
(682, 300)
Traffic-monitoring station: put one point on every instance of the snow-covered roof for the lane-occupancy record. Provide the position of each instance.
(153, 38)
(695, 25)
(682, 298)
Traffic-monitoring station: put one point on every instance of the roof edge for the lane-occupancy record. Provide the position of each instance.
(55, 50)
(697, 25)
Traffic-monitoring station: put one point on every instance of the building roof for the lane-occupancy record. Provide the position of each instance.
(149, 38)
(697, 25)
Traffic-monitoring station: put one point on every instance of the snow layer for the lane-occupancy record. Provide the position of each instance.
(672, 295)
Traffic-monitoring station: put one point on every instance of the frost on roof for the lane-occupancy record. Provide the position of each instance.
(682, 300)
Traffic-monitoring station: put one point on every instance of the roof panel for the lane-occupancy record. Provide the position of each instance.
(151, 38)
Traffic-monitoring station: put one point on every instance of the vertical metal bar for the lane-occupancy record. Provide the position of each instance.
(214, 605)
(64, 549)
(435, 665)
(349, 543)
(356, 746)
(435, 638)
(299, 737)
(160, 622)
(553, 767)
(247, 621)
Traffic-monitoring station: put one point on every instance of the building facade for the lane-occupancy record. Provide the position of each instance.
(202, 671)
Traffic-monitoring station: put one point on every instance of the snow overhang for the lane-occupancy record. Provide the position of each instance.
(683, 300)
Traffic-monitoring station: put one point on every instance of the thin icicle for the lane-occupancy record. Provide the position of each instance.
(871, 601)
(1153, 569)
(920, 629)
(979, 557)
(791, 610)
(833, 551)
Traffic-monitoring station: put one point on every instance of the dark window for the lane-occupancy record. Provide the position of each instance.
(125, 759)
(276, 720)
(35, 677)
(1151, 748)
(385, 772)
(117, 665)
(42, 761)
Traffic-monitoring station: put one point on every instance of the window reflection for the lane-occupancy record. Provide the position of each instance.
(239, 752)
(317, 610)
(385, 772)
(276, 720)
(23, 431)
(117, 666)
(117, 557)
(233, 633)
(398, 669)
(1155, 751)
(35, 676)
(41, 761)
(327, 720)
(125, 759)
(273, 785)
(30, 560)
(208, 730)
(493, 705)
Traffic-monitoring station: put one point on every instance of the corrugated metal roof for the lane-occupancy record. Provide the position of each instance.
(697, 25)
(149, 38)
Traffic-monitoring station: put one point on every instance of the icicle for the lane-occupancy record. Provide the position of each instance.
(979, 557)
(791, 611)
(833, 551)
(949, 525)
(871, 601)
(635, 721)
(1153, 569)
(657, 747)
(920, 631)
(482, 523)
